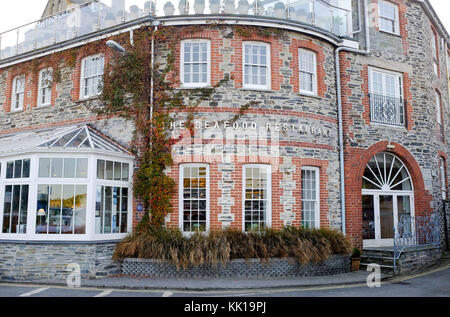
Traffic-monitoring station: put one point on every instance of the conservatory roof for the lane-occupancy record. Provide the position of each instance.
(70, 138)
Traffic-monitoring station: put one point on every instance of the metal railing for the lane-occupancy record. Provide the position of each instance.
(102, 14)
(415, 232)
(387, 110)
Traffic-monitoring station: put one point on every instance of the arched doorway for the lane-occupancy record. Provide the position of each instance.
(387, 200)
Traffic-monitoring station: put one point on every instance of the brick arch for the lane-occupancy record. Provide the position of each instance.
(354, 169)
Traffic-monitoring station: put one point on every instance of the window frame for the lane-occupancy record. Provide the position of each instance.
(399, 92)
(181, 197)
(269, 193)
(443, 177)
(14, 181)
(15, 94)
(396, 20)
(300, 71)
(317, 200)
(113, 183)
(83, 78)
(40, 104)
(268, 84)
(435, 51)
(208, 64)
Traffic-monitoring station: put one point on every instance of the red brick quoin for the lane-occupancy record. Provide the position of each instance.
(355, 164)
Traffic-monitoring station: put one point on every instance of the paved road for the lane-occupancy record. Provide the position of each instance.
(432, 283)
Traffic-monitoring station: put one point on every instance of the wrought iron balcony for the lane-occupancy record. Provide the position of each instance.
(387, 110)
(99, 15)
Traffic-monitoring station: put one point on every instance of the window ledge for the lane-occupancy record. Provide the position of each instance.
(15, 112)
(257, 89)
(43, 107)
(85, 99)
(303, 94)
(382, 125)
(391, 33)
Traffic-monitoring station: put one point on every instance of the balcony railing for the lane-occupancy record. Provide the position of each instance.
(387, 110)
(102, 14)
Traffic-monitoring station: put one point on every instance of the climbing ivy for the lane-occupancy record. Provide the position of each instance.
(127, 93)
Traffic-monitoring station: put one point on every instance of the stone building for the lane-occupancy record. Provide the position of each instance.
(349, 129)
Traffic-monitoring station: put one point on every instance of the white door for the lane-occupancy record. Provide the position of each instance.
(387, 200)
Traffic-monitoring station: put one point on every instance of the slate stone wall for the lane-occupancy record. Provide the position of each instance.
(49, 261)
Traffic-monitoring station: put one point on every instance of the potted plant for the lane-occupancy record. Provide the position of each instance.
(356, 259)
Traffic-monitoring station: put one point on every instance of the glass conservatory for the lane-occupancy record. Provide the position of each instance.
(69, 184)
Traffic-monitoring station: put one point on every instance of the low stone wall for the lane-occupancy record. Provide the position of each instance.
(30, 261)
(413, 260)
(288, 267)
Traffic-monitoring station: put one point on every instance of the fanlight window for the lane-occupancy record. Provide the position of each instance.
(386, 172)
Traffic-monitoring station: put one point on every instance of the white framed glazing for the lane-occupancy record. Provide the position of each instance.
(18, 93)
(45, 87)
(388, 17)
(310, 197)
(189, 167)
(307, 65)
(261, 192)
(196, 76)
(91, 77)
(388, 184)
(256, 65)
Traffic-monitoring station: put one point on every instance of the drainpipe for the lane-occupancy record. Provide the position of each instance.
(339, 100)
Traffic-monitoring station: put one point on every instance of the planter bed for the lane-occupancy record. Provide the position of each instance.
(286, 267)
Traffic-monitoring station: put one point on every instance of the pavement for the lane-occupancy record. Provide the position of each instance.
(358, 278)
(434, 282)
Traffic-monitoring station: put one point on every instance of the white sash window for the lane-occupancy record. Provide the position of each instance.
(195, 63)
(310, 197)
(256, 65)
(18, 93)
(257, 197)
(92, 76)
(194, 198)
(308, 71)
(389, 19)
(45, 87)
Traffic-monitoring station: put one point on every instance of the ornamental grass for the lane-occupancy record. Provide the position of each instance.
(220, 247)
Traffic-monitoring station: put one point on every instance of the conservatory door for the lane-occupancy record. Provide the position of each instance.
(387, 201)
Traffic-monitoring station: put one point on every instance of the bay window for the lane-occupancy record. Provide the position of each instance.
(256, 66)
(74, 187)
(194, 198)
(257, 197)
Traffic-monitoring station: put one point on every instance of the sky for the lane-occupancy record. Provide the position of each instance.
(14, 13)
